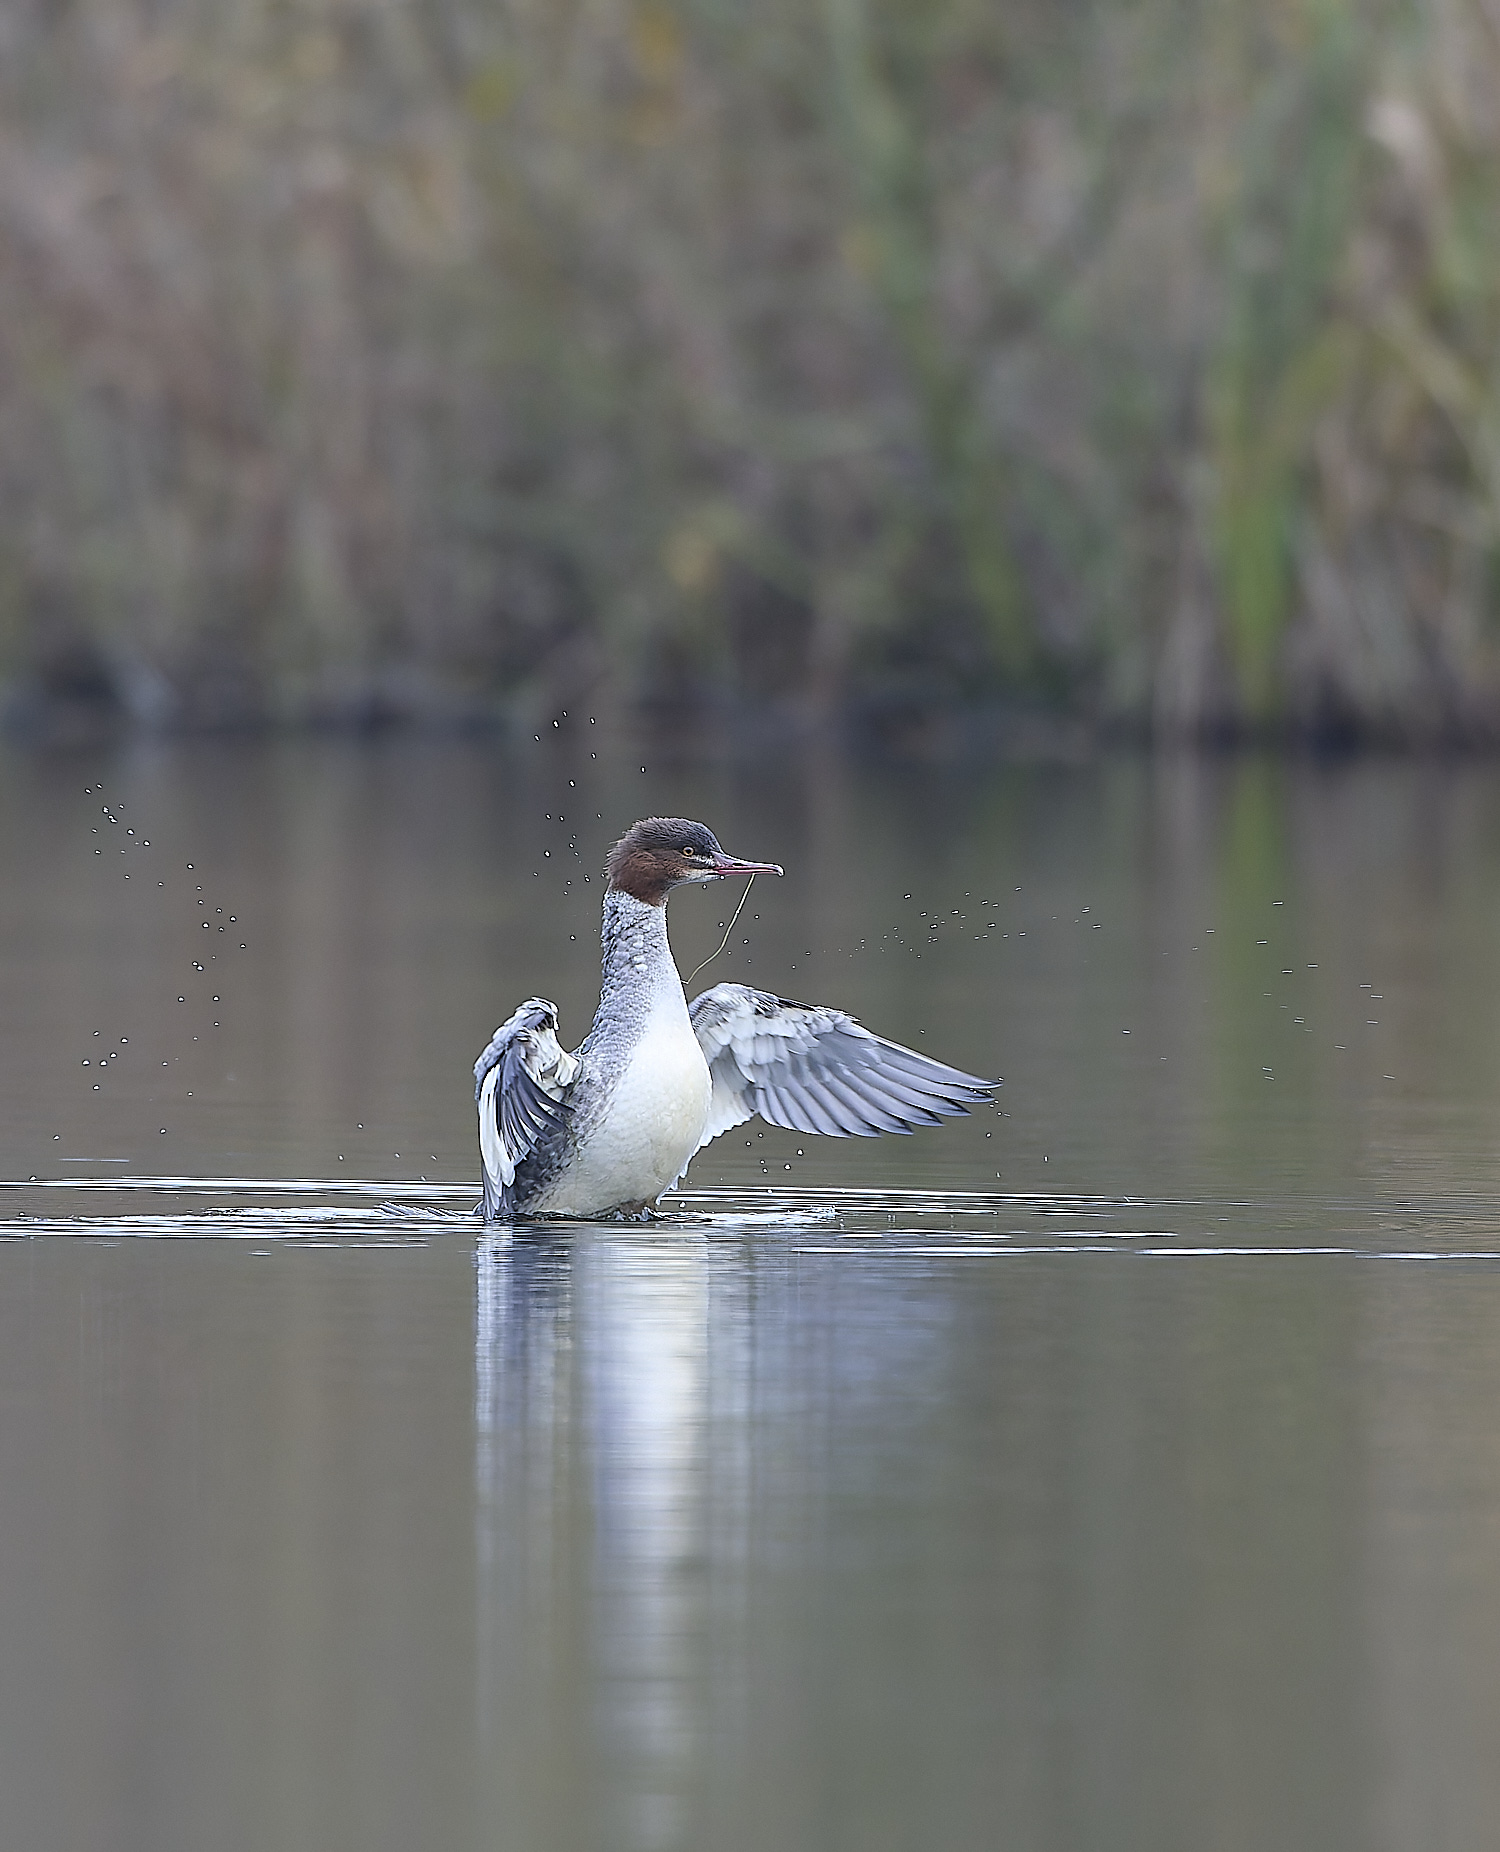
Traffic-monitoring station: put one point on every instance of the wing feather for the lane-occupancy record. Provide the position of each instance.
(779, 1110)
(854, 1112)
(521, 1084)
(881, 1109)
(803, 1102)
(895, 1095)
(861, 1111)
(813, 1069)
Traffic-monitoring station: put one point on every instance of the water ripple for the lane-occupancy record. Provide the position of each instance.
(892, 1224)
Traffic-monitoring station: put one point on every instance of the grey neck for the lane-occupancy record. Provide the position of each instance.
(638, 969)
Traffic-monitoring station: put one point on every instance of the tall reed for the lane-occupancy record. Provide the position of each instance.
(485, 356)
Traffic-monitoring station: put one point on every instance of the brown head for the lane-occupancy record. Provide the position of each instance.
(660, 853)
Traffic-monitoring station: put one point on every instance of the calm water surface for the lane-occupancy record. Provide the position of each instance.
(1119, 1467)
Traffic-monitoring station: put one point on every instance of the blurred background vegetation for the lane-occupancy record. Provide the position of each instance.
(925, 364)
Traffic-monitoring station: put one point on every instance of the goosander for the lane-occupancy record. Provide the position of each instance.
(607, 1129)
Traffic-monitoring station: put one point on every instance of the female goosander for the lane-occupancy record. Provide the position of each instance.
(606, 1129)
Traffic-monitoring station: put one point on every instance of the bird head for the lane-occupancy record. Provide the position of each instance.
(660, 853)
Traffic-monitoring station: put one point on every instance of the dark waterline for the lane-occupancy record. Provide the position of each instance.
(1111, 1468)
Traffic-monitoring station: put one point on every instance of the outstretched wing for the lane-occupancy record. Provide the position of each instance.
(520, 1083)
(817, 1070)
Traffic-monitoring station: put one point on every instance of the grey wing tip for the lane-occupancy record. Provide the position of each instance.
(951, 1090)
(492, 1207)
(923, 1068)
(956, 1078)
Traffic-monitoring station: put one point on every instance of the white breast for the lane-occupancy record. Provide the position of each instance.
(650, 1128)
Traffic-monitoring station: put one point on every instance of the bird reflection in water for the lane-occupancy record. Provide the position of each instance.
(590, 1416)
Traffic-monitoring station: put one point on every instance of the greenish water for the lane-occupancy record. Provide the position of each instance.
(1115, 1468)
